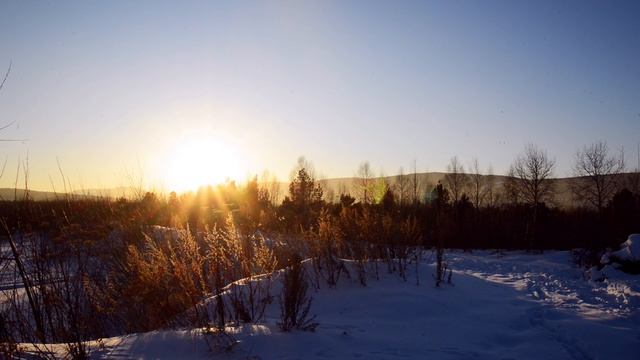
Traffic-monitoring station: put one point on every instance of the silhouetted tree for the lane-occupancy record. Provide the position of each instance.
(415, 185)
(455, 179)
(530, 180)
(365, 183)
(304, 202)
(250, 206)
(401, 187)
(440, 202)
(477, 182)
(531, 173)
(597, 172)
(491, 195)
(388, 200)
(632, 179)
(380, 188)
(303, 190)
(626, 211)
(270, 188)
(346, 200)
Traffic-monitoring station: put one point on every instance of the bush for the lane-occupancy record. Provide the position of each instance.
(294, 301)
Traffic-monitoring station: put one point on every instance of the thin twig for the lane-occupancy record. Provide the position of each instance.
(6, 75)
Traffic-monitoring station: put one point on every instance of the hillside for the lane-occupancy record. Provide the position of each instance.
(10, 194)
(426, 181)
(333, 187)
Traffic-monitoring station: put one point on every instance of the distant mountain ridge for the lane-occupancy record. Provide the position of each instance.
(11, 194)
(333, 188)
(564, 196)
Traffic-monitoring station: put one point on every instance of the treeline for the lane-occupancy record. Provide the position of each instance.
(466, 209)
(75, 270)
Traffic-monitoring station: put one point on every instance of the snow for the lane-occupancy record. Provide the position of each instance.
(514, 305)
(552, 278)
(629, 250)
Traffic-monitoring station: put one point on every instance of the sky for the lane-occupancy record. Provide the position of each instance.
(118, 92)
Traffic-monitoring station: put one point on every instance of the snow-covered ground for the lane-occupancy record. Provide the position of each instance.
(512, 306)
(552, 278)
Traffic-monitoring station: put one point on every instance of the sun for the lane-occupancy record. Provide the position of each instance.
(196, 161)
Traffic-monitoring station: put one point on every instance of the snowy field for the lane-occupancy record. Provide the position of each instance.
(512, 306)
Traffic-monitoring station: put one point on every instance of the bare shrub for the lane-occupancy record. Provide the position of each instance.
(8, 344)
(59, 304)
(325, 251)
(251, 296)
(295, 304)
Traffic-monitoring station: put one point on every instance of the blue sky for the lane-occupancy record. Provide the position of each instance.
(111, 89)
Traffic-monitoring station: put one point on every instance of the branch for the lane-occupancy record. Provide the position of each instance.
(9, 124)
(6, 75)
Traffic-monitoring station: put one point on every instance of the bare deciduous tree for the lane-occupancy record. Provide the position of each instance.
(381, 186)
(596, 172)
(402, 187)
(455, 179)
(530, 180)
(365, 183)
(415, 184)
(477, 182)
(632, 179)
(270, 186)
(305, 164)
(531, 173)
(491, 196)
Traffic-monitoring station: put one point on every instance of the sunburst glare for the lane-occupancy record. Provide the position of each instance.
(195, 161)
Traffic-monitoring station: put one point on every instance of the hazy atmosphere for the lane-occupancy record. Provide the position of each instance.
(272, 180)
(114, 90)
